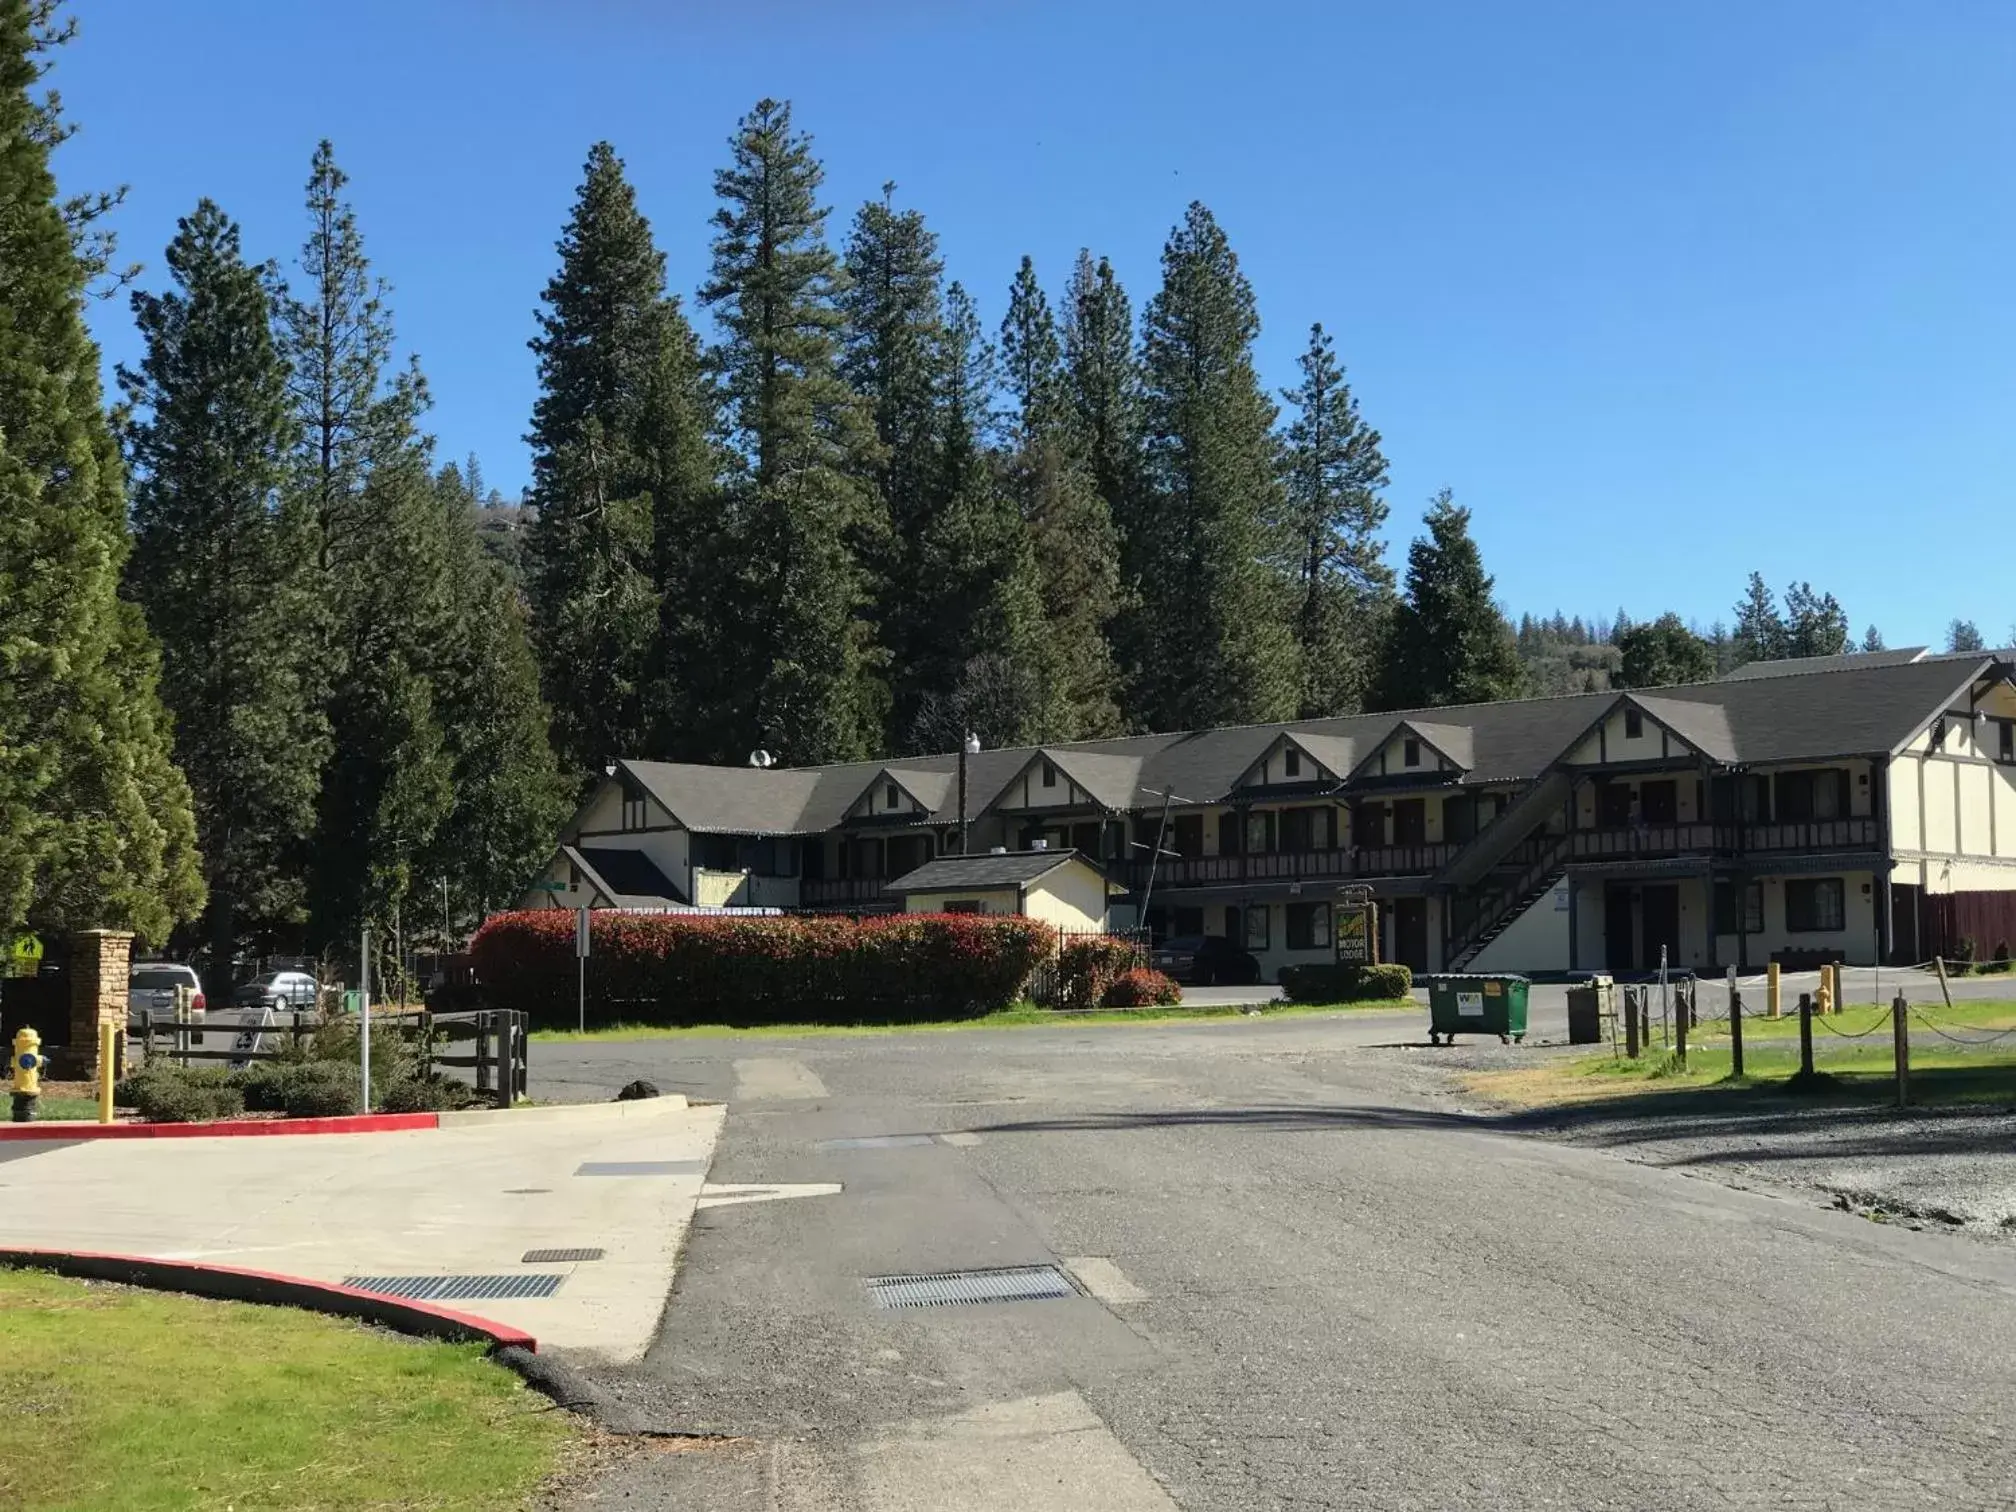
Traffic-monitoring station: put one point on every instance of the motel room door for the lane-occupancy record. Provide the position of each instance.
(1410, 932)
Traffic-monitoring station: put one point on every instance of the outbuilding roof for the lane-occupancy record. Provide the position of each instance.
(994, 869)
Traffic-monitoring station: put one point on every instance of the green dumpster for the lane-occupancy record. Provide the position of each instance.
(1484, 1004)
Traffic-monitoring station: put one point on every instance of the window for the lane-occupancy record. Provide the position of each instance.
(2006, 751)
(1291, 762)
(1634, 725)
(573, 875)
(1726, 921)
(1256, 926)
(633, 803)
(1812, 795)
(1410, 753)
(964, 905)
(1306, 829)
(1049, 775)
(1659, 802)
(1815, 905)
(891, 796)
(1259, 834)
(1308, 926)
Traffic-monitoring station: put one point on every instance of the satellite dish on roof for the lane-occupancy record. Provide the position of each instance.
(762, 759)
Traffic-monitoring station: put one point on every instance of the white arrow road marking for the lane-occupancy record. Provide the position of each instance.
(732, 1194)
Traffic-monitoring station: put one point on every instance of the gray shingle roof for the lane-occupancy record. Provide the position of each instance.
(955, 873)
(625, 877)
(1799, 666)
(1842, 707)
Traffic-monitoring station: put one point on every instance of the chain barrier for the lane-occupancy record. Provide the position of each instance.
(1986, 1039)
(1881, 1020)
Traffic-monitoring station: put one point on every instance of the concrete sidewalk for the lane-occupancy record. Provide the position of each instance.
(468, 1199)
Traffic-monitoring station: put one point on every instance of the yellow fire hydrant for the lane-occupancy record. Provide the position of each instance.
(27, 1068)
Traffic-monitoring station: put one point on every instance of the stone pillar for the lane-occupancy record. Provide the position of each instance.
(100, 975)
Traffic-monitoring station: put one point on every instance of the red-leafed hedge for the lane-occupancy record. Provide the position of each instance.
(1087, 967)
(690, 969)
(1139, 987)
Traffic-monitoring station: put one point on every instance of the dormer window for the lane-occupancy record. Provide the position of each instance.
(634, 816)
(891, 795)
(1291, 762)
(1634, 724)
(1410, 753)
(1049, 775)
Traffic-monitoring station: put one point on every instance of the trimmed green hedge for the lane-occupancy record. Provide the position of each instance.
(1088, 968)
(676, 969)
(1345, 984)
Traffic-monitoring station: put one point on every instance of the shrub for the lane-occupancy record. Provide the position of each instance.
(1086, 968)
(264, 1086)
(1963, 954)
(426, 1094)
(686, 969)
(1138, 987)
(319, 1089)
(167, 1093)
(1335, 983)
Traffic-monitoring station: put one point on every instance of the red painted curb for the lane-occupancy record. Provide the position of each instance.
(354, 1123)
(231, 1284)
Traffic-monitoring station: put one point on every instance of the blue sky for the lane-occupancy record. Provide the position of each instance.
(1664, 293)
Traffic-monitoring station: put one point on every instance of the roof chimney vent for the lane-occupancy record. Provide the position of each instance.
(997, 850)
(1039, 845)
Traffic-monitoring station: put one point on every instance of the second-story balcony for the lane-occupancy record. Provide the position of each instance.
(1650, 841)
(1292, 866)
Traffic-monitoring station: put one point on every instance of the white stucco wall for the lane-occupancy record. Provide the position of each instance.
(1535, 941)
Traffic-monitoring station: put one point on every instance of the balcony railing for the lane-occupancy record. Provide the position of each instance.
(1291, 866)
(1696, 839)
(842, 892)
(1813, 835)
(1403, 860)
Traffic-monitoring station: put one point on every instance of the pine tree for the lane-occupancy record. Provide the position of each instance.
(1872, 640)
(980, 605)
(509, 796)
(224, 573)
(1815, 624)
(807, 668)
(1664, 652)
(589, 551)
(1760, 633)
(1070, 528)
(891, 340)
(1209, 643)
(1962, 635)
(1103, 382)
(1449, 643)
(96, 828)
(1334, 471)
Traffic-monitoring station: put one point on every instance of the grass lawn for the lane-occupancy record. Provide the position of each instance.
(135, 1401)
(1017, 1016)
(1843, 1047)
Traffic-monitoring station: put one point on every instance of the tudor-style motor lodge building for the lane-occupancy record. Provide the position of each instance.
(1838, 808)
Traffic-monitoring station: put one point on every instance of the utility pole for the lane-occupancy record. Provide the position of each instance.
(970, 746)
(1154, 856)
(364, 1017)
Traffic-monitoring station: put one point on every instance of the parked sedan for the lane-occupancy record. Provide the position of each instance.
(278, 990)
(150, 988)
(1206, 961)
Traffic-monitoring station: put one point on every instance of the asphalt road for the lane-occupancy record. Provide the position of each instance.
(1307, 1281)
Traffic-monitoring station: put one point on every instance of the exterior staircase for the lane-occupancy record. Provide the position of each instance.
(1499, 911)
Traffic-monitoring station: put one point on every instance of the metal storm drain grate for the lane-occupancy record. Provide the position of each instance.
(559, 1256)
(1022, 1283)
(457, 1288)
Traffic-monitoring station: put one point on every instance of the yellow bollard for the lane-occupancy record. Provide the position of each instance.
(108, 1069)
(1823, 998)
(1771, 989)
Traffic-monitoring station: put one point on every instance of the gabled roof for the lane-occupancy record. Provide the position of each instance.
(928, 789)
(1454, 741)
(995, 869)
(1336, 754)
(1799, 666)
(1705, 727)
(627, 878)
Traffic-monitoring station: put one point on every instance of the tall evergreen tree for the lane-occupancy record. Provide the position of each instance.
(224, 572)
(980, 605)
(1072, 538)
(1103, 378)
(1963, 635)
(1334, 471)
(808, 668)
(96, 828)
(588, 552)
(1872, 640)
(1760, 633)
(509, 796)
(1210, 642)
(891, 342)
(1449, 643)
(1815, 624)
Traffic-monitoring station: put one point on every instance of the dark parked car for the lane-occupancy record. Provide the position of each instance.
(1206, 961)
(277, 989)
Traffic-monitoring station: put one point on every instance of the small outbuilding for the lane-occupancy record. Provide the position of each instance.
(1060, 887)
